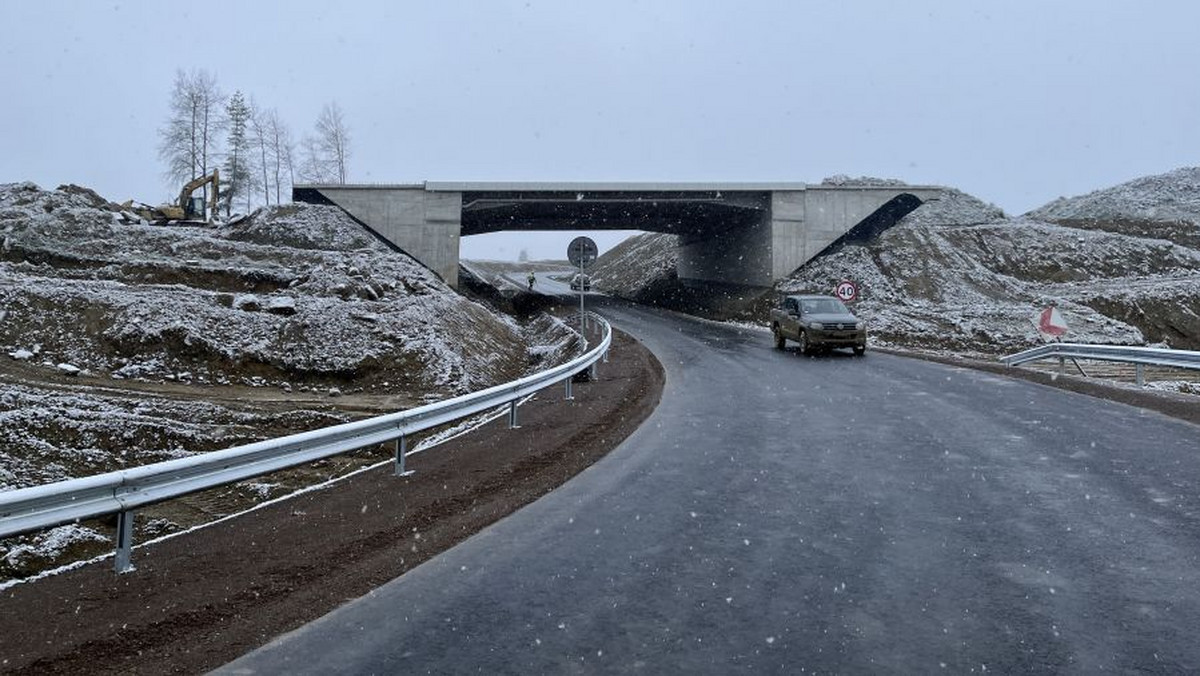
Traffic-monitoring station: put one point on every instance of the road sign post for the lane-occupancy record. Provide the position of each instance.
(582, 252)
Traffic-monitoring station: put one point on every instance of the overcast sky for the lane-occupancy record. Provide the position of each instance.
(1016, 102)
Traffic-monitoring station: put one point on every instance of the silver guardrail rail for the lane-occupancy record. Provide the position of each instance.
(24, 510)
(1140, 356)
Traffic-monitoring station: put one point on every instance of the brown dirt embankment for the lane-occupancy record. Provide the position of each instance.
(206, 597)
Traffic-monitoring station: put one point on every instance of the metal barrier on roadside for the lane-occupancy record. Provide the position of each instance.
(1139, 356)
(122, 492)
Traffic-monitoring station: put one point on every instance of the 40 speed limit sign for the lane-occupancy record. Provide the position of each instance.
(846, 290)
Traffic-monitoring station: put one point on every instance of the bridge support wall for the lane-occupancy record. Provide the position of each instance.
(804, 223)
(426, 225)
(798, 225)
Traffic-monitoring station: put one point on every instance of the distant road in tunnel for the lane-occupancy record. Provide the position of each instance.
(783, 514)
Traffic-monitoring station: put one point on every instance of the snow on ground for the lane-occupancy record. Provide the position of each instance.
(957, 274)
(844, 180)
(636, 264)
(185, 339)
(942, 278)
(290, 292)
(1173, 196)
(954, 207)
(928, 286)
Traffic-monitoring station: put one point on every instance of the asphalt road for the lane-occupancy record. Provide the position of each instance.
(784, 514)
(546, 283)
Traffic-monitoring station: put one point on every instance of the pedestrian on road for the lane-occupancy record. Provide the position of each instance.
(532, 279)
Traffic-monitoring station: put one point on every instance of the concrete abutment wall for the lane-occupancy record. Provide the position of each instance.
(426, 225)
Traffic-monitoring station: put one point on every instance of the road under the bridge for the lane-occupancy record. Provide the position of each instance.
(782, 514)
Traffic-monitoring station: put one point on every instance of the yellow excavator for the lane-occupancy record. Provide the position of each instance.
(187, 208)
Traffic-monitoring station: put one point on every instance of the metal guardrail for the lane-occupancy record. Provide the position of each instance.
(121, 492)
(1140, 356)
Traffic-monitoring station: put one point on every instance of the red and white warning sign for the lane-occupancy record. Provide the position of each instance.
(1051, 322)
(846, 290)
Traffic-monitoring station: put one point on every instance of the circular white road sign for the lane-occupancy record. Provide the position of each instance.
(846, 290)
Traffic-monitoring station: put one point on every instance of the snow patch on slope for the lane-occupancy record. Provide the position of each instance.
(1173, 196)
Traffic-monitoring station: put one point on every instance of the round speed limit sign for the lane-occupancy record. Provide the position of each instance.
(846, 290)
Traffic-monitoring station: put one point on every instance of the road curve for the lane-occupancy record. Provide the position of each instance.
(784, 514)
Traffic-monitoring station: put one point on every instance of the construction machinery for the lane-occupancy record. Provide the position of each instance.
(186, 208)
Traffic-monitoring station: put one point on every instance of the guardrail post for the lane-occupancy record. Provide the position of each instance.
(123, 562)
(1062, 365)
(512, 415)
(569, 396)
(604, 357)
(1141, 375)
(401, 451)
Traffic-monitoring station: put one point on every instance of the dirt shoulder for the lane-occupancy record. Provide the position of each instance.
(1181, 406)
(206, 597)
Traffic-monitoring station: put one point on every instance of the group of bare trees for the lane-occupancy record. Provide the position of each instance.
(257, 155)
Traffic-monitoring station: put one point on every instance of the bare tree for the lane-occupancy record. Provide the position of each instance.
(189, 141)
(328, 153)
(314, 168)
(273, 145)
(259, 127)
(289, 160)
(281, 152)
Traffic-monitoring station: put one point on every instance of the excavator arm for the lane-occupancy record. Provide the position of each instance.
(182, 210)
(185, 195)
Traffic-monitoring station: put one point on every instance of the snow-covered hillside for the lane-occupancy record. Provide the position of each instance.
(123, 343)
(957, 274)
(1173, 196)
(291, 293)
(636, 264)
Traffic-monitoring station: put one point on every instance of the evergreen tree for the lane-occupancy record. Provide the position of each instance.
(239, 177)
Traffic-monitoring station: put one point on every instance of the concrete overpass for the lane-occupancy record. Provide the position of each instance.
(750, 234)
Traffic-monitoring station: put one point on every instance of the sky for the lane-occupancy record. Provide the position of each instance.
(1017, 102)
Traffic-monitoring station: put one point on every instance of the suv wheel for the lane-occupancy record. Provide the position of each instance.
(805, 348)
(860, 351)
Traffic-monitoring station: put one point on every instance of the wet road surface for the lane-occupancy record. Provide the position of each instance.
(785, 514)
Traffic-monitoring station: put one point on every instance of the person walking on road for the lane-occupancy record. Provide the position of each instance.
(532, 279)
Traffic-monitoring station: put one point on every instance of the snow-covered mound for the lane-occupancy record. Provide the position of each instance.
(956, 273)
(954, 207)
(303, 226)
(972, 289)
(291, 293)
(843, 179)
(1173, 196)
(636, 264)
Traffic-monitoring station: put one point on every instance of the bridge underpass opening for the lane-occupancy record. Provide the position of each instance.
(712, 225)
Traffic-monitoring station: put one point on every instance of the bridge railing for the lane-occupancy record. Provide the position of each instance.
(121, 492)
(1139, 356)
